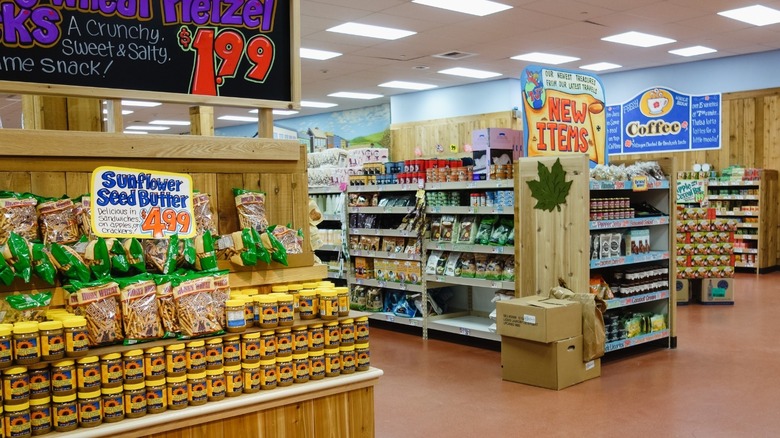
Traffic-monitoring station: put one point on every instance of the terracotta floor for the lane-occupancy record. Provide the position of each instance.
(723, 380)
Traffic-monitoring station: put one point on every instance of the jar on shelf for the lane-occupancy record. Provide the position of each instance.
(284, 342)
(286, 309)
(156, 395)
(267, 311)
(26, 343)
(307, 304)
(16, 420)
(348, 359)
(89, 408)
(249, 310)
(267, 345)
(251, 347)
(16, 385)
(332, 335)
(347, 332)
(195, 353)
(175, 360)
(362, 357)
(294, 290)
(176, 392)
(267, 375)
(316, 337)
(40, 380)
(231, 350)
(40, 416)
(63, 378)
(284, 371)
(76, 336)
(234, 380)
(197, 392)
(52, 340)
(215, 384)
(343, 296)
(332, 362)
(112, 370)
(252, 375)
(135, 399)
(133, 366)
(300, 368)
(113, 403)
(6, 349)
(300, 336)
(235, 316)
(65, 412)
(154, 362)
(214, 354)
(329, 305)
(88, 373)
(361, 329)
(316, 364)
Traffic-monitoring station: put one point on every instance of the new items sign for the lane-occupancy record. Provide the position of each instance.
(664, 120)
(141, 203)
(563, 113)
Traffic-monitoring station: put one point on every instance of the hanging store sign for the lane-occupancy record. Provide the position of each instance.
(563, 113)
(691, 191)
(663, 120)
(141, 203)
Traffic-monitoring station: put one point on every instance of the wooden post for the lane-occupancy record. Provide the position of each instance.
(265, 123)
(61, 113)
(114, 121)
(202, 120)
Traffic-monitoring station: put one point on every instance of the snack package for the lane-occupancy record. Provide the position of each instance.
(291, 240)
(162, 255)
(374, 300)
(501, 231)
(509, 269)
(485, 229)
(6, 272)
(220, 295)
(468, 267)
(98, 302)
(452, 264)
(468, 230)
(605, 242)
(96, 256)
(18, 214)
(134, 251)
(84, 216)
(204, 218)
(69, 263)
(481, 265)
(357, 298)
(435, 228)
(25, 307)
(433, 261)
(388, 244)
(197, 314)
(42, 265)
(251, 209)
(448, 224)
(140, 313)
(206, 255)
(118, 255)
(240, 247)
(274, 246)
(16, 252)
(58, 221)
(166, 307)
(494, 269)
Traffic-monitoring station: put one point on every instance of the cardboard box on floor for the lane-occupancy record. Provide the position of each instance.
(539, 319)
(553, 365)
(682, 291)
(717, 290)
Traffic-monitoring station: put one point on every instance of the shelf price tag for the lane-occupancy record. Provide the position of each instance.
(382, 284)
(471, 185)
(141, 203)
(464, 331)
(390, 318)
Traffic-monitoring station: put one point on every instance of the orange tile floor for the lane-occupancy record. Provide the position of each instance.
(722, 380)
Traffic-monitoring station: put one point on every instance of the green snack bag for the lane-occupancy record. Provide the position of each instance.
(171, 255)
(135, 254)
(188, 255)
(501, 231)
(206, 258)
(6, 273)
(263, 255)
(244, 247)
(278, 252)
(484, 230)
(27, 307)
(16, 252)
(42, 264)
(98, 258)
(119, 262)
(69, 262)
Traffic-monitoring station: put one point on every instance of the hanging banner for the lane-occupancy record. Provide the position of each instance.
(691, 191)
(563, 113)
(663, 120)
(141, 203)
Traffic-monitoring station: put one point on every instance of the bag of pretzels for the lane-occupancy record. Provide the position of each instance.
(18, 214)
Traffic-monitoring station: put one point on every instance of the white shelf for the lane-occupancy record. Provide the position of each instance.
(384, 188)
(467, 247)
(470, 210)
(627, 223)
(325, 190)
(745, 250)
(337, 275)
(477, 282)
(637, 299)
(381, 232)
(651, 256)
(734, 183)
(384, 255)
(466, 185)
(385, 284)
(468, 325)
(735, 213)
(637, 340)
(401, 320)
(746, 236)
(733, 197)
(329, 248)
(381, 210)
(332, 217)
(626, 185)
(747, 225)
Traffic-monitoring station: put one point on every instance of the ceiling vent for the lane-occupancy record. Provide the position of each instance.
(456, 55)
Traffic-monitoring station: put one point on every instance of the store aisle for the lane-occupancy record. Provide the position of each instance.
(721, 381)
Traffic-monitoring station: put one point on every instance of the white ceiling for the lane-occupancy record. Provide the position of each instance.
(566, 27)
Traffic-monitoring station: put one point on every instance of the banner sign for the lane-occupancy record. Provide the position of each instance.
(691, 191)
(141, 203)
(664, 120)
(227, 48)
(563, 113)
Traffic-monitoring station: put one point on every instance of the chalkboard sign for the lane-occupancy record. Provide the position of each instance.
(196, 51)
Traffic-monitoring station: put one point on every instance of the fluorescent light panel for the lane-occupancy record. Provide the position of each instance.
(638, 39)
(147, 128)
(170, 122)
(474, 7)
(351, 95)
(140, 103)
(313, 104)
(407, 85)
(692, 51)
(756, 15)
(320, 55)
(545, 58)
(284, 112)
(124, 112)
(367, 30)
(135, 132)
(469, 73)
(238, 118)
(600, 66)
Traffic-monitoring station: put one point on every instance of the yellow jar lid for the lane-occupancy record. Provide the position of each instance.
(174, 347)
(196, 344)
(248, 300)
(307, 292)
(17, 408)
(315, 326)
(64, 363)
(255, 335)
(8, 326)
(294, 287)
(215, 372)
(155, 382)
(283, 359)
(249, 291)
(132, 386)
(112, 391)
(231, 338)
(90, 394)
(342, 289)
(234, 303)
(74, 322)
(300, 356)
(233, 368)
(315, 353)
(361, 319)
(267, 333)
(88, 359)
(131, 353)
(110, 356)
(235, 293)
(5, 331)
(347, 321)
(325, 283)
(63, 398)
(279, 288)
(176, 379)
(264, 362)
(40, 401)
(309, 286)
(284, 297)
(362, 345)
(267, 299)
(283, 330)
(329, 294)
(23, 329)
(198, 375)
(347, 348)
(331, 351)
(50, 325)
(15, 370)
(214, 341)
(332, 324)
(153, 350)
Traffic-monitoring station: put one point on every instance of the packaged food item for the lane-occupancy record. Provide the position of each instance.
(452, 264)
(615, 245)
(467, 231)
(205, 251)
(605, 242)
(220, 295)
(135, 254)
(251, 209)
(204, 218)
(436, 228)
(69, 262)
(42, 264)
(468, 268)
(166, 306)
(485, 230)
(84, 216)
(18, 214)
(140, 312)
(195, 307)
(509, 269)
(98, 302)
(448, 226)
(161, 254)
(481, 265)
(495, 267)
(500, 234)
(58, 221)
(25, 307)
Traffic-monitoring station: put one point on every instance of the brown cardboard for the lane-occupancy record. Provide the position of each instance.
(683, 290)
(717, 290)
(539, 319)
(554, 365)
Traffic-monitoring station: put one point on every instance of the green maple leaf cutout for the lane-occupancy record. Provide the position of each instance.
(552, 188)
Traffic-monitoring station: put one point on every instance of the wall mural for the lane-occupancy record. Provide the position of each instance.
(355, 128)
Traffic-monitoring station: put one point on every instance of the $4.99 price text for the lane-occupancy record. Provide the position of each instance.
(219, 54)
(157, 221)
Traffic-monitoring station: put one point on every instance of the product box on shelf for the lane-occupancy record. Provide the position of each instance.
(717, 290)
(539, 319)
(495, 146)
(364, 267)
(683, 290)
(553, 365)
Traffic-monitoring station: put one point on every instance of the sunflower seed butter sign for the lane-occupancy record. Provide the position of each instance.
(664, 120)
(563, 113)
(141, 203)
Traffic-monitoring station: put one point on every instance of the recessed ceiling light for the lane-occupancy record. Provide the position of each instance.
(473, 7)
(319, 55)
(692, 51)
(367, 30)
(351, 95)
(135, 132)
(756, 15)
(313, 104)
(638, 39)
(170, 122)
(545, 58)
(600, 66)
(469, 73)
(284, 112)
(407, 85)
(140, 103)
(238, 118)
(148, 128)
(127, 112)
